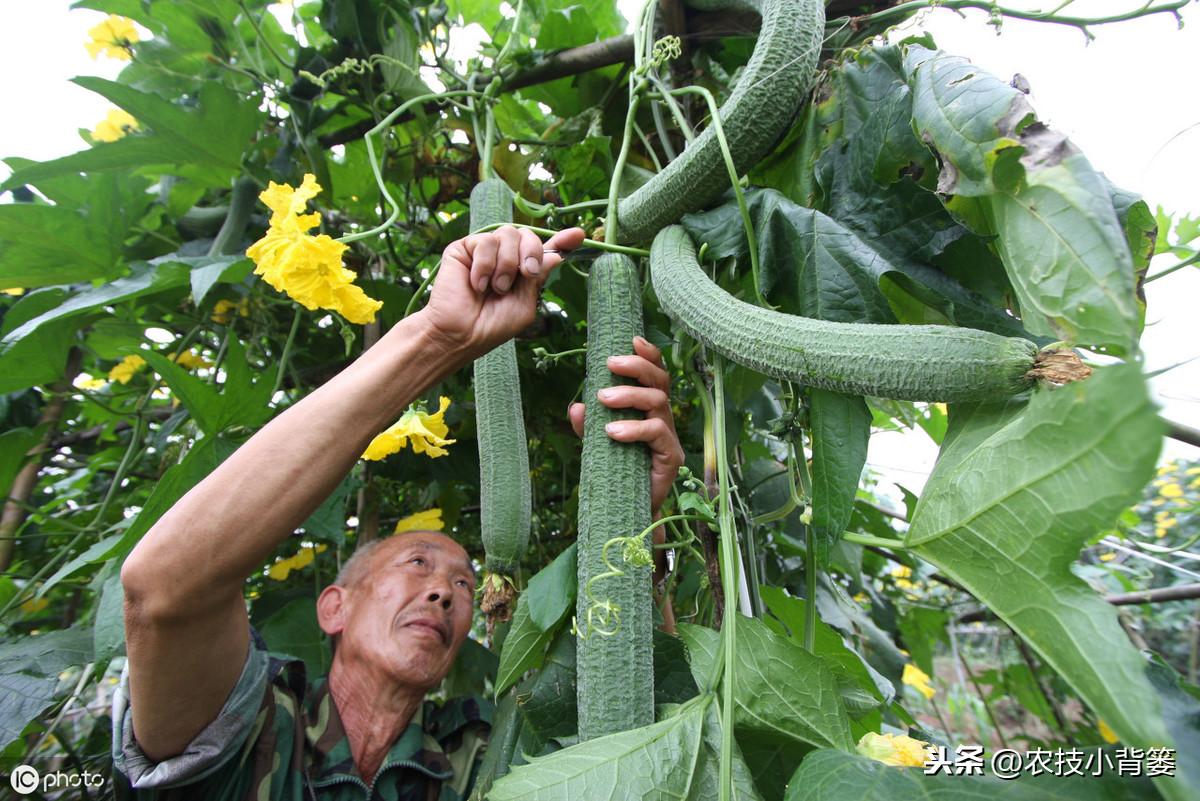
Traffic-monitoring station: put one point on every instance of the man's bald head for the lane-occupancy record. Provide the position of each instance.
(358, 566)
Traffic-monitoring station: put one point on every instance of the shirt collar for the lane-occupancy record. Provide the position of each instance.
(326, 740)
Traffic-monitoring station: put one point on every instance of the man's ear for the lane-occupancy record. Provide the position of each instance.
(331, 610)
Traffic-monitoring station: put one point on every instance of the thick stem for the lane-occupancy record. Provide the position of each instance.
(729, 579)
(22, 487)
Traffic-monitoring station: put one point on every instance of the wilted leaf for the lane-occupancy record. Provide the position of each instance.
(1063, 248)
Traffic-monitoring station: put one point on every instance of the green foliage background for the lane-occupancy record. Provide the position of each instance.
(911, 189)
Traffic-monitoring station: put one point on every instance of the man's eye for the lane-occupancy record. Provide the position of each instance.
(464, 583)
(417, 560)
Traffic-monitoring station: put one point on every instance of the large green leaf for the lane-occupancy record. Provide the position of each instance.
(836, 776)
(41, 245)
(1017, 490)
(524, 647)
(548, 702)
(243, 401)
(15, 444)
(108, 633)
(204, 457)
(213, 135)
(294, 630)
(551, 592)
(841, 426)
(146, 278)
(1056, 230)
(29, 671)
(810, 264)
(654, 763)
(40, 358)
(862, 687)
(779, 688)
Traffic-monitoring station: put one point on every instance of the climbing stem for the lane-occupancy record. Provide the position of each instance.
(867, 539)
(729, 580)
(591, 243)
(373, 159)
(734, 179)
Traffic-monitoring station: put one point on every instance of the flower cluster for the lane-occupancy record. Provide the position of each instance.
(302, 558)
(223, 310)
(918, 679)
(429, 520)
(427, 432)
(112, 37)
(124, 371)
(896, 750)
(114, 126)
(190, 360)
(308, 268)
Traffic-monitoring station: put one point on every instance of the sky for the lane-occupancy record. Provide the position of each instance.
(1127, 99)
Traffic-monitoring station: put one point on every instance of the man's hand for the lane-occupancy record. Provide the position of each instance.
(487, 288)
(652, 397)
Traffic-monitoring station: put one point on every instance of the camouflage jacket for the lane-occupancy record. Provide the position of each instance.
(279, 738)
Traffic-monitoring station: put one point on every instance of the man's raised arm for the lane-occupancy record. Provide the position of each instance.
(186, 626)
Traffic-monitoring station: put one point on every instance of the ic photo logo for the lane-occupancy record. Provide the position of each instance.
(24, 779)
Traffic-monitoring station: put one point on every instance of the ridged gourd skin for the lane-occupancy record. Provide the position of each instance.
(906, 362)
(761, 108)
(615, 673)
(505, 497)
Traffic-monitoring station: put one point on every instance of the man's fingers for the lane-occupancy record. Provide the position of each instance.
(653, 431)
(649, 351)
(641, 369)
(632, 397)
(508, 258)
(575, 415)
(530, 254)
(483, 250)
(564, 240)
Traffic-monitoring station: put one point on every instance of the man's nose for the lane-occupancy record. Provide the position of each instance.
(440, 593)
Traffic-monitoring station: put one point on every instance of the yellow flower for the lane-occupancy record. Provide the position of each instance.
(917, 678)
(1171, 490)
(125, 370)
(427, 432)
(429, 520)
(1107, 733)
(223, 310)
(88, 382)
(189, 360)
(1107, 557)
(901, 571)
(1169, 467)
(14, 291)
(302, 558)
(1192, 471)
(861, 597)
(113, 37)
(896, 750)
(34, 605)
(308, 268)
(114, 126)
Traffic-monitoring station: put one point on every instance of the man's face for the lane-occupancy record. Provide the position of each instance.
(411, 612)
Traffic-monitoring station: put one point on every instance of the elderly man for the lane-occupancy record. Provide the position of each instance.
(206, 712)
